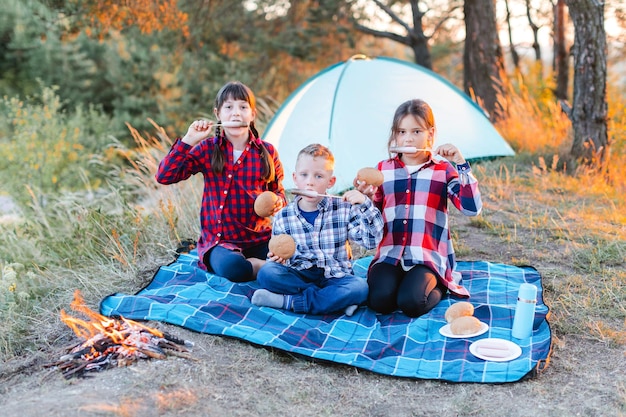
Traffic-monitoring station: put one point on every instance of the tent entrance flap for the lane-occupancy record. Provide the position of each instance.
(338, 86)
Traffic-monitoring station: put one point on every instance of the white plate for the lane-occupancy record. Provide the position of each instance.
(495, 350)
(445, 331)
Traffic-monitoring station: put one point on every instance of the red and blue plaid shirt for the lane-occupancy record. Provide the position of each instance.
(227, 216)
(415, 211)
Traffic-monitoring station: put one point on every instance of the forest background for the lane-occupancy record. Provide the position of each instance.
(92, 93)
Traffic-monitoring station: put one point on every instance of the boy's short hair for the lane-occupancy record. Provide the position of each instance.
(316, 151)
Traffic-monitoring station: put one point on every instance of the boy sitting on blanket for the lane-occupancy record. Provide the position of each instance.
(318, 278)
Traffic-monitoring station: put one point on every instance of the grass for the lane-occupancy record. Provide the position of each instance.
(114, 232)
(574, 227)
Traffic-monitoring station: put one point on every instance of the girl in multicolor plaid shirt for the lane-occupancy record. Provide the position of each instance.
(414, 263)
(237, 166)
(318, 278)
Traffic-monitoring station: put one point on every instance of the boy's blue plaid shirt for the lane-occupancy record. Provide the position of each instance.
(324, 244)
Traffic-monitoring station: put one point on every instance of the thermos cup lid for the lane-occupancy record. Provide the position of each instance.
(527, 292)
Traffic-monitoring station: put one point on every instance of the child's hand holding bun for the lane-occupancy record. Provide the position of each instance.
(367, 180)
(282, 246)
(370, 176)
(265, 204)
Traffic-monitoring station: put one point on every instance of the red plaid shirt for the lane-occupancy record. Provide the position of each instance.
(227, 216)
(415, 211)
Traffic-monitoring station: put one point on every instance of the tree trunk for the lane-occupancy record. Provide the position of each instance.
(514, 54)
(535, 30)
(483, 64)
(419, 41)
(589, 108)
(561, 57)
(422, 55)
(415, 37)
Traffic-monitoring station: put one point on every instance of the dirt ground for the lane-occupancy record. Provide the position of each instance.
(228, 377)
(232, 378)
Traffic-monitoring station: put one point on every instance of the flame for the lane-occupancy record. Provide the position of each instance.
(116, 330)
(124, 337)
(111, 341)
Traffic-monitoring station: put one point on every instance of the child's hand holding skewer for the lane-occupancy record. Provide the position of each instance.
(201, 129)
(450, 152)
(197, 132)
(354, 197)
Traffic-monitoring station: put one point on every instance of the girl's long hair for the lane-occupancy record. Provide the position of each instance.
(416, 108)
(236, 90)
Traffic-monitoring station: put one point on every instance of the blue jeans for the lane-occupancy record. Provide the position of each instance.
(312, 291)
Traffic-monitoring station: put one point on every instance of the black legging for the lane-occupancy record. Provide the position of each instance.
(414, 292)
(233, 264)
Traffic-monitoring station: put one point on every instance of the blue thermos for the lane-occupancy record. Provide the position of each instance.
(524, 311)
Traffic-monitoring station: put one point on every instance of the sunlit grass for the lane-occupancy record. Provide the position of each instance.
(536, 125)
(575, 221)
(552, 220)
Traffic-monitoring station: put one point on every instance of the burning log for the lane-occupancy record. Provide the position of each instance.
(109, 342)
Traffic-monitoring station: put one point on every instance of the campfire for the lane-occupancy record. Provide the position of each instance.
(109, 342)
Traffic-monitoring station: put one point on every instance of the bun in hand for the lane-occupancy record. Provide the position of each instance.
(282, 246)
(371, 176)
(264, 203)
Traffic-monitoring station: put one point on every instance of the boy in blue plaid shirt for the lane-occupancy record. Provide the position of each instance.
(318, 278)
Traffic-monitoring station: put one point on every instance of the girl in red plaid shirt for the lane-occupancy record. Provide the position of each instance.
(237, 166)
(414, 263)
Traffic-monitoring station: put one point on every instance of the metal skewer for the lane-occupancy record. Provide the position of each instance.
(311, 193)
(231, 124)
(408, 149)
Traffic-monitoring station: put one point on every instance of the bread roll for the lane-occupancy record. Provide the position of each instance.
(282, 246)
(264, 203)
(371, 176)
(465, 325)
(460, 309)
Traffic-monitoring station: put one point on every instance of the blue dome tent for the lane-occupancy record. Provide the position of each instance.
(349, 108)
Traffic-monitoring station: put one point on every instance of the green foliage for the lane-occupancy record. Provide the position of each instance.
(15, 302)
(21, 31)
(48, 150)
(131, 76)
(166, 76)
(42, 50)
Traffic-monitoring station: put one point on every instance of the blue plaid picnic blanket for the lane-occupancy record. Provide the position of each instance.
(392, 344)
